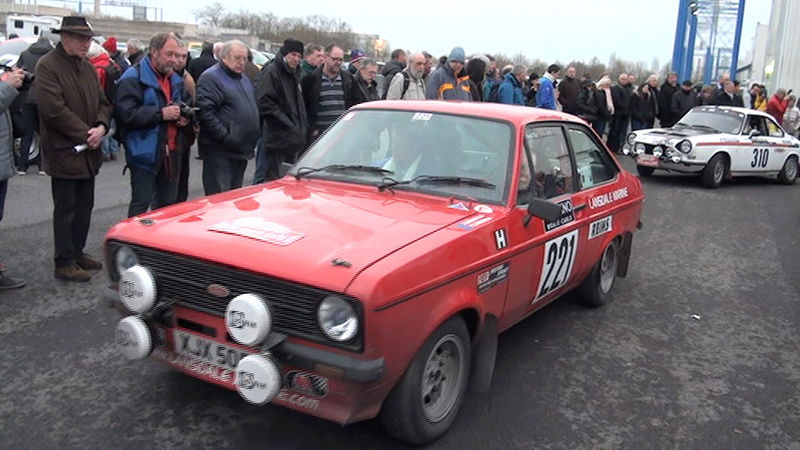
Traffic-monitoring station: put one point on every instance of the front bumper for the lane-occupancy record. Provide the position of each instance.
(670, 160)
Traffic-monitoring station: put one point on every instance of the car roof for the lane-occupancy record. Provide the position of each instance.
(517, 114)
(738, 109)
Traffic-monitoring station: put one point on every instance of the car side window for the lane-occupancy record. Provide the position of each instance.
(774, 129)
(551, 164)
(593, 164)
(755, 123)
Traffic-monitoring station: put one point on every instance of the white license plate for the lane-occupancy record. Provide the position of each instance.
(208, 351)
(648, 160)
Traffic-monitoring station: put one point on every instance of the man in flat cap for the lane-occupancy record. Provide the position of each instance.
(74, 115)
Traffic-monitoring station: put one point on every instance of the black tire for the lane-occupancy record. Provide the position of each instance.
(788, 173)
(412, 416)
(715, 171)
(597, 289)
(645, 171)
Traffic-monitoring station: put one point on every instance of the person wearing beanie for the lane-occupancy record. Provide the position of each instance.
(356, 57)
(284, 123)
(448, 81)
(113, 52)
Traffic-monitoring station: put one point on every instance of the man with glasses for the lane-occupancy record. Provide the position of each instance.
(409, 84)
(74, 115)
(327, 91)
(229, 120)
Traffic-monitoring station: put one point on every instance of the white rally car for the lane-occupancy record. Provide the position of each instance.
(718, 142)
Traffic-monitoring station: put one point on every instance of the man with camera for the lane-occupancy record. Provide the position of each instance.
(74, 115)
(148, 111)
(10, 81)
(30, 110)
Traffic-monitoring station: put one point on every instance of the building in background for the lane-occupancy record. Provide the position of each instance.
(782, 53)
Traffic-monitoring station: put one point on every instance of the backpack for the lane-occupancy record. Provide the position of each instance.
(389, 76)
(406, 83)
(113, 74)
(494, 92)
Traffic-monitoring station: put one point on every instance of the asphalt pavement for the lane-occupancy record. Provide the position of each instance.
(698, 349)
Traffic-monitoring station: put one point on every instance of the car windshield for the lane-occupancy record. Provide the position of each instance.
(469, 157)
(715, 121)
(259, 58)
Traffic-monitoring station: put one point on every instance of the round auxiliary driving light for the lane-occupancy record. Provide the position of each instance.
(658, 151)
(337, 318)
(248, 319)
(626, 151)
(137, 289)
(676, 158)
(125, 258)
(257, 379)
(133, 338)
(639, 148)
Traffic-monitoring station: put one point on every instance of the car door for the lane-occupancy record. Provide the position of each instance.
(777, 149)
(749, 155)
(547, 254)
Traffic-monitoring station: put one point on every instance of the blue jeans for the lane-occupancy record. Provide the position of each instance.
(150, 189)
(222, 174)
(30, 116)
(599, 126)
(109, 146)
(3, 191)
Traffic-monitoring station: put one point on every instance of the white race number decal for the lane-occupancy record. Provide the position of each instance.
(559, 257)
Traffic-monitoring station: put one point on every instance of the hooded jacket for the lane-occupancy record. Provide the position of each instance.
(71, 102)
(443, 85)
(546, 97)
(27, 60)
(510, 91)
(138, 112)
(100, 62)
(281, 107)
(390, 69)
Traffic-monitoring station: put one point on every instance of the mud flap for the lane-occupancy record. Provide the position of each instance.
(484, 353)
(624, 255)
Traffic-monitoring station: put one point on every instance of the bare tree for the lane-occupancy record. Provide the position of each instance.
(212, 14)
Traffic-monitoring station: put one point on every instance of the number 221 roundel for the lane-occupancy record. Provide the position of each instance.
(559, 257)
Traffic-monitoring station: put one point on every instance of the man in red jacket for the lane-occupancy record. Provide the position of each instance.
(776, 106)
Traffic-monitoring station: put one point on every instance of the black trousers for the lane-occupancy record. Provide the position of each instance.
(73, 201)
(30, 116)
(617, 133)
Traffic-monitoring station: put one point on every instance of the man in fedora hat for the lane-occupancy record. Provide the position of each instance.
(74, 115)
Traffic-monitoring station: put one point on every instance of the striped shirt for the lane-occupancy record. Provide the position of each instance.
(331, 101)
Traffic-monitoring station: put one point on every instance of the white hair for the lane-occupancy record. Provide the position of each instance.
(95, 49)
(228, 47)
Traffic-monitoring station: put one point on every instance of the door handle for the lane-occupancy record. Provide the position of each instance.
(577, 208)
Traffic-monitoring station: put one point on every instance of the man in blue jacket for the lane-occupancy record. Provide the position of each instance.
(229, 120)
(546, 97)
(510, 92)
(148, 115)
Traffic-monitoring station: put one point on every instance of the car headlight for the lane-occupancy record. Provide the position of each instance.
(125, 258)
(684, 146)
(337, 318)
(631, 138)
(658, 151)
(640, 148)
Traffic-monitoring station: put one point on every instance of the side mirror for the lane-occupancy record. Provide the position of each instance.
(284, 169)
(543, 209)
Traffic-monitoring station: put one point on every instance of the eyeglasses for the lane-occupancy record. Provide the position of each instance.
(335, 59)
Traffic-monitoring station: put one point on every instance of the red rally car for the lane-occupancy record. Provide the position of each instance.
(374, 278)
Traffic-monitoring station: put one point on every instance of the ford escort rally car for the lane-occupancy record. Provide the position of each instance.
(374, 278)
(718, 142)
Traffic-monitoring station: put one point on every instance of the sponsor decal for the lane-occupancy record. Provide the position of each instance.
(422, 116)
(567, 216)
(193, 365)
(127, 289)
(483, 209)
(608, 198)
(559, 257)
(124, 339)
(259, 229)
(298, 400)
(247, 380)
(501, 238)
(474, 222)
(238, 320)
(599, 227)
(493, 277)
(459, 206)
(307, 383)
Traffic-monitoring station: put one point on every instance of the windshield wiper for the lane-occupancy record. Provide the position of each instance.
(389, 182)
(303, 171)
(683, 124)
(706, 127)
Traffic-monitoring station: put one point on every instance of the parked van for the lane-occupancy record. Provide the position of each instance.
(32, 26)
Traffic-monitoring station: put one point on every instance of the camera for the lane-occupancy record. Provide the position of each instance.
(187, 111)
(26, 80)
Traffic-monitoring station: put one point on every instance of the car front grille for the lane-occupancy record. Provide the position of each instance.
(184, 280)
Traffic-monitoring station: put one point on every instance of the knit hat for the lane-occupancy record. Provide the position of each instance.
(457, 54)
(291, 46)
(356, 55)
(110, 44)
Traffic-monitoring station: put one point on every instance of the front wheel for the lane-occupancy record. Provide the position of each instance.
(596, 289)
(428, 397)
(788, 173)
(645, 171)
(715, 171)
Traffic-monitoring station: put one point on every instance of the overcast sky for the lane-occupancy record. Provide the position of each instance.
(636, 30)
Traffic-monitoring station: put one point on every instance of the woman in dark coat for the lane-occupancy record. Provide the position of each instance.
(643, 108)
